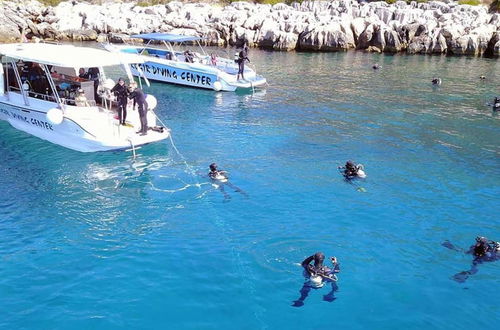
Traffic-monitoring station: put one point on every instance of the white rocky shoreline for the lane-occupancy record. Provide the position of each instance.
(435, 27)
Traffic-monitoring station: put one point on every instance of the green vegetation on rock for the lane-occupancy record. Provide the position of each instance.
(147, 3)
(52, 3)
(469, 2)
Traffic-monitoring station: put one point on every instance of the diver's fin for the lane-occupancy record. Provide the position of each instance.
(461, 277)
(447, 244)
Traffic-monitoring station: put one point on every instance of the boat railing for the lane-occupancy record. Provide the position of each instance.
(51, 98)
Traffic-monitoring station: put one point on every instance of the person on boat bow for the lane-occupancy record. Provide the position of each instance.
(242, 57)
(121, 93)
(139, 98)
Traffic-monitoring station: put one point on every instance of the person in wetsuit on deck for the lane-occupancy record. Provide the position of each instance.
(121, 93)
(242, 57)
(140, 99)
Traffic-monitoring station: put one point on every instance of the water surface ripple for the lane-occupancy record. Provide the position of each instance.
(100, 241)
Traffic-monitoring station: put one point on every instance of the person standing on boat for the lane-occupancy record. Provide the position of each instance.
(83, 74)
(121, 93)
(242, 57)
(139, 98)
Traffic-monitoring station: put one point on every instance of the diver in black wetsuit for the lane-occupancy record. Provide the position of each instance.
(220, 179)
(316, 275)
(242, 57)
(351, 170)
(121, 93)
(483, 251)
(496, 103)
(140, 99)
(436, 81)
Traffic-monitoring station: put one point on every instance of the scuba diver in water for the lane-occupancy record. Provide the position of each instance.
(496, 103)
(436, 81)
(351, 170)
(316, 275)
(220, 179)
(483, 251)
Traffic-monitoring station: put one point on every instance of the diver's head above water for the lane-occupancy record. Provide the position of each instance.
(213, 167)
(319, 257)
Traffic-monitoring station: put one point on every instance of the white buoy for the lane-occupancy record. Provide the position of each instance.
(55, 116)
(108, 83)
(151, 101)
(217, 86)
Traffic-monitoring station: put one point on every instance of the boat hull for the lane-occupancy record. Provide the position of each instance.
(71, 132)
(220, 77)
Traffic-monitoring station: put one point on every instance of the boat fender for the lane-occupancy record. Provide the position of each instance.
(151, 101)
(55, 116)
(104, 89)
(108, 83)
(217, 85)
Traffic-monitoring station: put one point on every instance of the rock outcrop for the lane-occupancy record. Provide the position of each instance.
(435, 27)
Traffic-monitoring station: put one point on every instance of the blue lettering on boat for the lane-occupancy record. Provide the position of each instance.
(170, 73)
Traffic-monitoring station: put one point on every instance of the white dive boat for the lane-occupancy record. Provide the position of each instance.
(41, 94)
(195, 69)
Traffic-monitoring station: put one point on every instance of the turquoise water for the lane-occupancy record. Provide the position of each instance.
(98, 241)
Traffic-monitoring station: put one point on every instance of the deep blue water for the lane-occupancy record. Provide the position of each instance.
(99, 241)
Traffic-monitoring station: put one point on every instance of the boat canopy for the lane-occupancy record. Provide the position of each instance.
(165, 37)
(66, 55)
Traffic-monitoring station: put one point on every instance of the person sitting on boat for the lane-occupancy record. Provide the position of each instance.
(83, 74)
(189, 56)
(81, 99)
(37, 79)
(352, 170)
(213, 59)
(215, 174)
(316, 275)
(139, 98)
(242, 57)
(121, 93)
